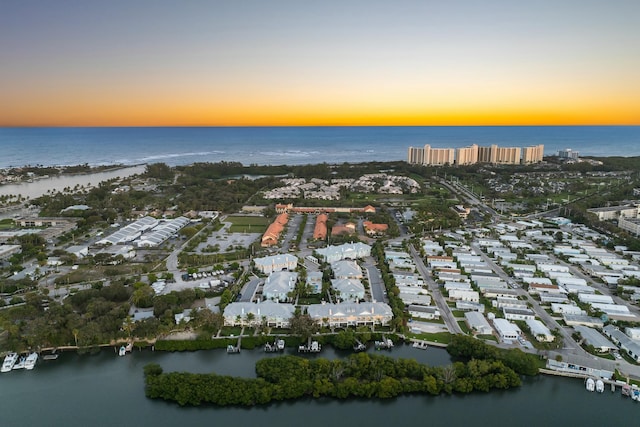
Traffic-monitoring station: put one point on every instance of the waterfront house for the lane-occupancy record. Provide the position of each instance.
(351, 314)
(506, 330)
(271, 313)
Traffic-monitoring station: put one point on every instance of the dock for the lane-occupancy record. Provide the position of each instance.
(384, 344)
(310, 347)
(274, 347)
(231, 349)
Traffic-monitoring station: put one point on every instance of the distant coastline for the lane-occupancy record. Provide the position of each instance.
(291, 145)
(41, 186)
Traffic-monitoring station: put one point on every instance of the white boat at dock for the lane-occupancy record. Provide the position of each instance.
(231, 349)
(386, 343)
(599, 386)
(125, 349)
(20, 363)
(421, 345)
(590, 384)
(311, 347)
(9, 361)
(30, 363)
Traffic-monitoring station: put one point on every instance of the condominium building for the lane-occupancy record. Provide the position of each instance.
(475, 154)
(532, 154)
(467, 155)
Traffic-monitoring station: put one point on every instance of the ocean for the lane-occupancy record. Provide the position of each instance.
(290, 145)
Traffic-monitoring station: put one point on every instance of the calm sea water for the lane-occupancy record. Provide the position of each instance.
(106, 390)
(289, 145)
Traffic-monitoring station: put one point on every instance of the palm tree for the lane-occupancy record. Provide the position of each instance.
(250, 318)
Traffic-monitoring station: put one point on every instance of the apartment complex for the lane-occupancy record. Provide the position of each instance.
(475, 154)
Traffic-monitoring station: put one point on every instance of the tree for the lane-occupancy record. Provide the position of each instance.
(303, 325)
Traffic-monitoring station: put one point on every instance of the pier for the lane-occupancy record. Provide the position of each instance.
(358, 346)
(384, 344)
(231, 349)
(274, 347)
(310, 347)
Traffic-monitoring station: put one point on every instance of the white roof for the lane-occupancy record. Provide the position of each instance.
(266, 308)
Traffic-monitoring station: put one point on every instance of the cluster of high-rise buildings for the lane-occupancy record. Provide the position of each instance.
(475, 154)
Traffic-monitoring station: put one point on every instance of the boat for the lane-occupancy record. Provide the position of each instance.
(590, 384)
(422, 345)
(31, 361)
(9, 360)
(20, 363)
(122, 351)
(311, 347)
(625, 390)
(635, 394)
(599, 385)
(280, 344)
(233, 349)
(386, 343)
(50, 356)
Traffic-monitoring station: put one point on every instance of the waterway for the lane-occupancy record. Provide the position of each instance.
(41, 187)
(106, 390)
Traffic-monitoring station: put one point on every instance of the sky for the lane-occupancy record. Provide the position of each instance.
(303, 62)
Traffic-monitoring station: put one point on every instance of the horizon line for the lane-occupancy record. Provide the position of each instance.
(310, 126)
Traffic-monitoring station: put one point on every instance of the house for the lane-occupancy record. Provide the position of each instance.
(566, 309)
(320, 229)
(271, 236)
(351, 314)
(539, 330)
(333, 253)
(80, 251)
(271, 313)
(269, 264)
(279, 284)
(581, 319)
(339, 229)
(374, 229)
(348, 289)
(630, 346)
(507, 331)
(464, 295)
(314, 281)
(346, 269)
(511, 313)
(424, 312)
(478, 323)
(469, 306)
(595, 339)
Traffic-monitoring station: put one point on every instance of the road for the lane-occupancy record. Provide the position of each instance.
(376, 284)
(250, 288)
(445, 311)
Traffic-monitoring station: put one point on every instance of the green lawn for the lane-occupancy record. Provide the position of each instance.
(440, 337)
(247, 224)
(463, 326)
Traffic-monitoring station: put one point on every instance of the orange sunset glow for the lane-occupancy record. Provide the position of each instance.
(411, 63)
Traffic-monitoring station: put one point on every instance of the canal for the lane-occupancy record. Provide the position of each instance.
(106, 390)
